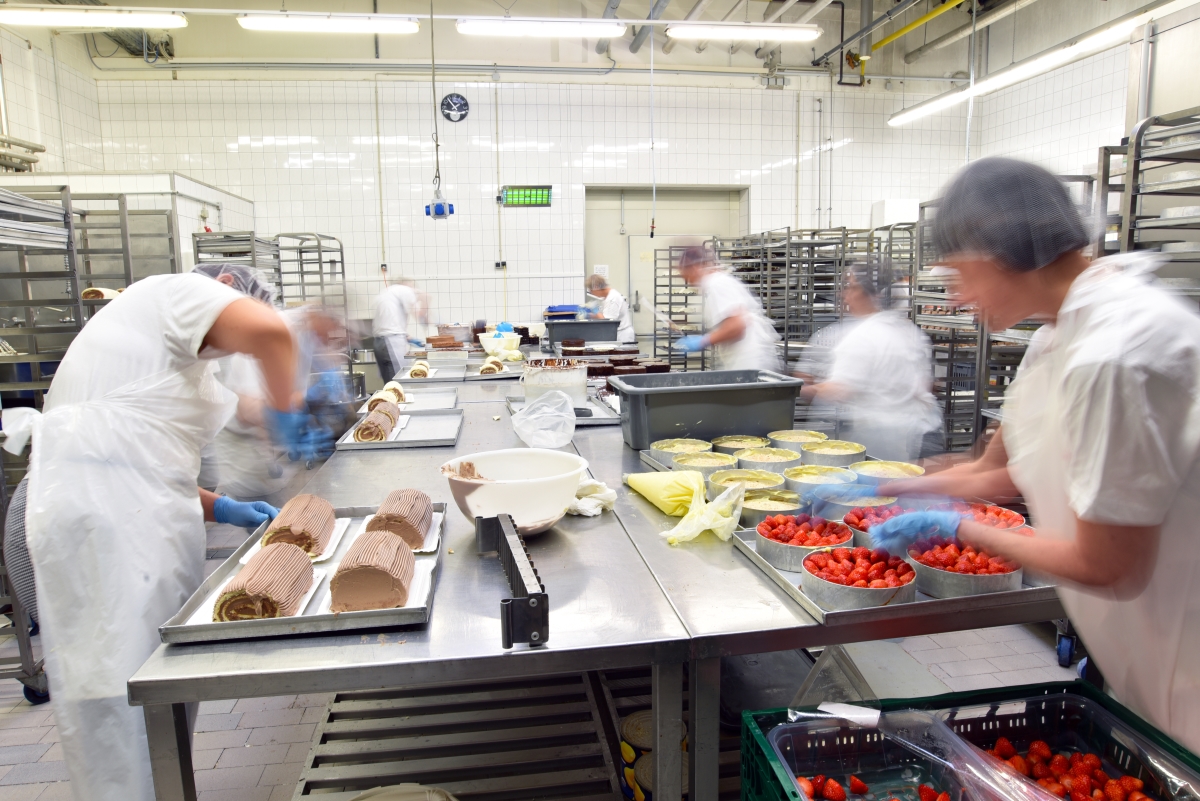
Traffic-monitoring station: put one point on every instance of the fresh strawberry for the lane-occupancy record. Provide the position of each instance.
(1113, 791)
(1040, 749)
(833, 791)
(818, 783)
(943, 797)
(1076, 758)
(1019, 765)
(1100, 778)
(1092, 761)
(1083, 784)
(1059, 765)
(926, 792)
(1004, 749)
(1081, 768)
(1137, 795)
(858, 786)
(1078, 796)
(1057, 789)
(1098, 795)
(1041, 771)
(1131, 784)
(807, 787)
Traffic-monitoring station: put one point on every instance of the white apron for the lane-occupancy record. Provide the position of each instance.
(1146, 648)
(397, 345)
(116, 534)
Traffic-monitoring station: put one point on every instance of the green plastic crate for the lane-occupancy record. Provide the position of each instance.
(765, 778)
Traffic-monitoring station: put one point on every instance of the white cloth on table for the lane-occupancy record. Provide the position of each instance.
(1103, 424)
(115, 527)
(725, 296)
(615, 307)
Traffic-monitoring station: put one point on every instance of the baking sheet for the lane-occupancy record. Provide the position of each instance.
(396, 432)
(424, 399)
(473, 374)
(425, 429)
(443, 373)
(745, 540)
(193, 622)
(601, 414)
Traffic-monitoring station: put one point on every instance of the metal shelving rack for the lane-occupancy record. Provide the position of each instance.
(682, 305)
(1160, 204)
(240, 247)
(1106, 220)
(312, 268)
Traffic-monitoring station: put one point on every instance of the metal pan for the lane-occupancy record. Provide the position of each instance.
(445, 373)
(944, 584)
(179, 630)
(425, 399)
(425, 429)
(601, 414)
(508, 373)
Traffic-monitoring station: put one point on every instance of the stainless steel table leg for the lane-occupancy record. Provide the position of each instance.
(704, 741)
(170, 739)
(667, 696)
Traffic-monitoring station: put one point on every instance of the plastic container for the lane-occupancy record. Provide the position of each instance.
(733, 443)
(844, 455)
(460, 332)
(533, 485)
(587, 330)
(789, 504)
(765, 479)
(695, 461)
(774, 459)
(809, 477)
(566, 375)
(794, 438)
(704, 404)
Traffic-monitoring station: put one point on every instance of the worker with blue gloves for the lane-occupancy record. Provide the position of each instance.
(114, 518)
(737, 330)
(1100, 434)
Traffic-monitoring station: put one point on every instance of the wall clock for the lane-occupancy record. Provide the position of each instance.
(454, 107)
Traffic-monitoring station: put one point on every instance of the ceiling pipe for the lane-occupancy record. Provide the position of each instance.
(985, 19)
(866, 30)
(610, 12)
(787, 4)
(916, 23)
(808, 16)
(639, 38)
(696, 11)
(728, 16)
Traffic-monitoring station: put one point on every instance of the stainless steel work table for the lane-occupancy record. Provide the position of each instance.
(607, 611)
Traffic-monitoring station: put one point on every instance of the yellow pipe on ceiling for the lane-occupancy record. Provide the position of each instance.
(917, 23)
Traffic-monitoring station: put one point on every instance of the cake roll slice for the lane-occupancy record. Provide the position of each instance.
(375, 427)
(491, 366)
(420, 369)
(305, 521)
(381, 397)
(376, 573)
(397, 390)
(272, 584)
(406, 513)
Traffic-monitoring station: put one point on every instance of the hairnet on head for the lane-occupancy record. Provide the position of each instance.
(695, 255)
(1013, 211)
(245, 280)
(875, 278)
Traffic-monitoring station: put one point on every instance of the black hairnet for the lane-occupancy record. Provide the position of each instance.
(245, 280)
(1013, 211)
(875, 278)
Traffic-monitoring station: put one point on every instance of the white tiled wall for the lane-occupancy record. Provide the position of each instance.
(1062, 118)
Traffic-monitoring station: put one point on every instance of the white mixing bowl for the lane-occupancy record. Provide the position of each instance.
(533, 485)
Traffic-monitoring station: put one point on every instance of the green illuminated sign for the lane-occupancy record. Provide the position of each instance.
(525, 195)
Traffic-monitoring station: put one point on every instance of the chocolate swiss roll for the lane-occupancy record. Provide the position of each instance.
(272, 584)
(397, 390)
(375, 427)
(306, 521)
(376, 573)
(407, 514)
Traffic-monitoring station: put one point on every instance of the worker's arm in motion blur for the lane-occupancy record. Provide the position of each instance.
(250, 327)
(731, 329)
(1118, 558)
(985, 477)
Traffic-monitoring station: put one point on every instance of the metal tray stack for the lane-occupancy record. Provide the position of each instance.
(185, 627)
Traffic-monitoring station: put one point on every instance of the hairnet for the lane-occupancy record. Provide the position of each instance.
(597, 281)
(245, 280)
(1013, 211)
(875, 278)
(694, 255)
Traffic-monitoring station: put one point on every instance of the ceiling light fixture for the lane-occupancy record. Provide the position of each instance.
(1088, 44)
(535, 28)
(103, 18)
(288, 22)
(745, 32)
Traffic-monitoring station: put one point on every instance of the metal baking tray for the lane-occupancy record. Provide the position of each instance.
(443, 372)
(509, 373)
(924, 607)
(602, 415)
(309, 621)
(425, 429)
(425, 399)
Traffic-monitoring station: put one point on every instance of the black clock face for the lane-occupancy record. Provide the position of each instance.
(454, 107)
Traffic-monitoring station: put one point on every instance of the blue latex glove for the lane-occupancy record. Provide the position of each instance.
(692, 343)
(504, 328)
(416, 343)
(285, 428)
(895, 535)
(330, 387)
(318, 444)
(239, 513)
(845, 493)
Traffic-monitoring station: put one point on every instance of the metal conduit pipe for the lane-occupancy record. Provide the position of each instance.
(610, 11)
(867, 30)
(917, 23)
(985, 19)
(696, 11)
(639, 38)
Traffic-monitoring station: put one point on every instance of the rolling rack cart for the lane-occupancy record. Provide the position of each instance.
(682, 305)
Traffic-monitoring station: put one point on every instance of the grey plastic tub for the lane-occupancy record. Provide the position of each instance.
(704, 405)
(587, 330)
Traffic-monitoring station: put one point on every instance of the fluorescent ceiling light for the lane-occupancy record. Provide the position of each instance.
(1088, 44)
(103, 18)
(553, 29)
(743, 32)
(328, 23)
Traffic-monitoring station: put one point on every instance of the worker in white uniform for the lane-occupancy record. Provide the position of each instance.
(114, 519)
(613, 306)
(881, 374)
(736, 329)
(397, 309)
(1101, 434)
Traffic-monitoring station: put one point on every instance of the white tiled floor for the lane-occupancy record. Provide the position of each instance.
(999, 657)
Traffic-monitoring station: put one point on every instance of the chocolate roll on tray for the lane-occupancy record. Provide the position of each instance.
(376, 573)
(272, 584)
(491, 366)
(397, 390)
(306, 521)
(419, 369)
(406, 513)
(375, 427)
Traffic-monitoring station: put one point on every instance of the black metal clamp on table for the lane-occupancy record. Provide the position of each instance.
(525, 617)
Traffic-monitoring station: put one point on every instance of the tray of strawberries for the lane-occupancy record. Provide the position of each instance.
(951, 570)
(986, 513)
(784, 540)
(856, 578)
